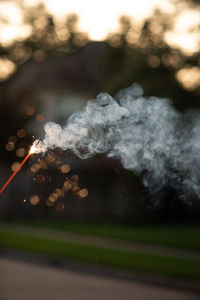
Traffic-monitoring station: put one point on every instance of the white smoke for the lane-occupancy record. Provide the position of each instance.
(147, 134)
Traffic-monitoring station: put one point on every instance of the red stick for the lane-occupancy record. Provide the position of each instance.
(14, 173)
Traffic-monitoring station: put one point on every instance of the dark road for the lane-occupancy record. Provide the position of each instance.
(23, 280)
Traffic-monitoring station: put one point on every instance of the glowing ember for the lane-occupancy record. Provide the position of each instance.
(43, 165)
(67, 185)
(39, 178)
(59, 192)
(64, 169)
(76, 190)
(10, 146)
(74, 178)
(34, 200)
(34, 168)
(53, 197)
(83, 193)
(14, 166)
(50, 158)
(40, 117)
(49, 203)
(21, 133)
(20, 152)
(30, 110)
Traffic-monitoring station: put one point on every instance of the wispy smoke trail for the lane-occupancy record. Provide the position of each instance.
(147, 134)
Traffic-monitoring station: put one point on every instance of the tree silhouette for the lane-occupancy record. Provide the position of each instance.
(145, 57)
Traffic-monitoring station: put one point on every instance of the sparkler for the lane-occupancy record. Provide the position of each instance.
(32, 150)
(69, 184)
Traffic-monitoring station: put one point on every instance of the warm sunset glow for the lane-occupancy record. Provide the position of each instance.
(95, 18)
(100, 18)
(12, 26)
(7, 68)
(183, 35)
(187, 42)
(189, 77)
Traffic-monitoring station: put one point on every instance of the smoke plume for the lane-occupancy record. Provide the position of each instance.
(147, 134)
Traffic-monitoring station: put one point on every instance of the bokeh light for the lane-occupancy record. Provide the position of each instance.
(189, 77)
(40, 117)
(34, 168)
(10, 146)
(7, 68)
(64, 169)
(34, 200)
(49, 203)
(21, 133)
(67, 185)
(14, 166)
(83, 193)
(20, 152)
(74, 178)
(40, 178)
(30, 110)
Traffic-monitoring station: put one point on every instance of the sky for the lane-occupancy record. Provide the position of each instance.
(98, 18)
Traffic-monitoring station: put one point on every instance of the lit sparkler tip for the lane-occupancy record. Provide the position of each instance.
(33, 148)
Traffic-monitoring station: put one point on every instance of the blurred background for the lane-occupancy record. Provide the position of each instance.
(54, 57)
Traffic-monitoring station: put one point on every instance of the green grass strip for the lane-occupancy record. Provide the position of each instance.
(174, 267)
(183, 236)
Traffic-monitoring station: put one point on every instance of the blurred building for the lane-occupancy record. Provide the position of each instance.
(55, 88)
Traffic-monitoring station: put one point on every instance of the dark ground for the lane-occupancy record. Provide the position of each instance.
(22, 279)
